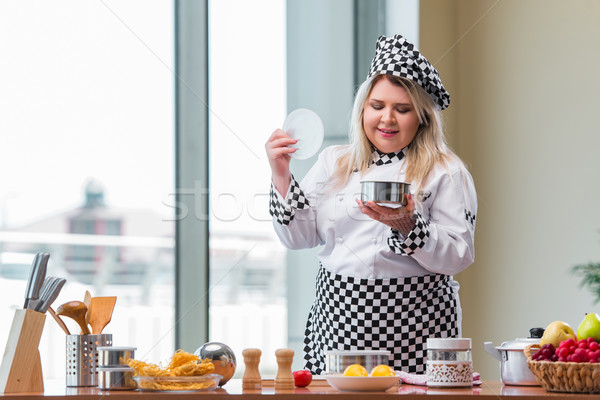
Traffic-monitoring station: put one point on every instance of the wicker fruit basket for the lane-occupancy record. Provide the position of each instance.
(572, 377)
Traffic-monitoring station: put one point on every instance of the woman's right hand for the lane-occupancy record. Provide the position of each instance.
(278, 154)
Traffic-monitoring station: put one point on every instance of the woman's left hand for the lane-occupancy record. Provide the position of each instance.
(400, 218)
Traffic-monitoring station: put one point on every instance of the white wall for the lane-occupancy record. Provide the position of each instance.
(524, 86)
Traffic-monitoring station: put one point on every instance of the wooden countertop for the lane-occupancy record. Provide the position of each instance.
(319, 391)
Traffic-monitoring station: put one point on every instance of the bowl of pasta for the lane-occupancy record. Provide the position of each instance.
(184, 372)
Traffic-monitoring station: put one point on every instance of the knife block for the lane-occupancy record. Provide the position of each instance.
(21, 368)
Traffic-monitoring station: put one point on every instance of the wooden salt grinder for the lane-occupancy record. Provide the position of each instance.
(251, 379)
(284, 379)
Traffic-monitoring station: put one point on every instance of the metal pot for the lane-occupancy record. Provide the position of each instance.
(513, 363)
(385, 192)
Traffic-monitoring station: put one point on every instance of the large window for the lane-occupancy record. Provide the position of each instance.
(247, 102)
(86, 154)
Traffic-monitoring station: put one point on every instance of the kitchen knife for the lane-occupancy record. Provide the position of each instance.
(37, 276)
(52, 295)
(35, 304)
(29, 287)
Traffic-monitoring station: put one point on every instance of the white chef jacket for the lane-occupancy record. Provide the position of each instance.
(355, 245)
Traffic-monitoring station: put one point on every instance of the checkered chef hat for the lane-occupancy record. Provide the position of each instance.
(399, 57)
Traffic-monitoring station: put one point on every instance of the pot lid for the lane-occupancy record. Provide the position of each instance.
(518, 343)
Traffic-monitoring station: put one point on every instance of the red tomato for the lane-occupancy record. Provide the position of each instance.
(302, 378)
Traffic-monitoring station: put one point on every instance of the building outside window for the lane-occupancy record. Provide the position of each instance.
(86, 150)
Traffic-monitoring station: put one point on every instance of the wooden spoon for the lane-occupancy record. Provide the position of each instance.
(101, 312)
(75, 310)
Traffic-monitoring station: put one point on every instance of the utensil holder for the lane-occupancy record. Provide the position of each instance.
(21, 369)
(82, 358)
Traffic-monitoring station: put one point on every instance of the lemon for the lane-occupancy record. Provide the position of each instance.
(355, 370)
(383, 370)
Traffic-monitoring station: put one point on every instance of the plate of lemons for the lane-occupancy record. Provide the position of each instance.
(356, 378)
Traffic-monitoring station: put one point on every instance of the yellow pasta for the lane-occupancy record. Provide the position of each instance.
(181, 358)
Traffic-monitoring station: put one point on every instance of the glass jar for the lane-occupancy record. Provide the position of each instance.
(449, 362)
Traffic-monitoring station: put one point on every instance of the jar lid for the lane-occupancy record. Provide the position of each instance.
(358, 353)
(114, 369)
(116, 348)
(449, 343)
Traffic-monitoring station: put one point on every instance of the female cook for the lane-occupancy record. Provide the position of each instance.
(385, 280)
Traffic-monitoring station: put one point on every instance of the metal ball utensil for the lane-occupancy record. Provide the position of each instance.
(222, 357)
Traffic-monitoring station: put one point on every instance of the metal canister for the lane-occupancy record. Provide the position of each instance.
(113, 356)
(116, 378)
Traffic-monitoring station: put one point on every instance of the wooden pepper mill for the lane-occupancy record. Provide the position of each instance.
(251, 379)
(284, 379)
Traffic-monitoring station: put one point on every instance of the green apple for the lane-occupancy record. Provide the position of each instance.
(556, 332)
(589, 327)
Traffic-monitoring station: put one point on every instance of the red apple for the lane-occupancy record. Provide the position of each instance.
(302, 378)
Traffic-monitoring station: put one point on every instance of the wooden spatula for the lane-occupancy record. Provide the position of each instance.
(87, 300)
(101, 312)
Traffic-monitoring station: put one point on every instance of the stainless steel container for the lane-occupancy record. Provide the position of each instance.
(116, 378)
(336, 361)
(82, 358)
(109, 356)
(382, 192)
(513, 363)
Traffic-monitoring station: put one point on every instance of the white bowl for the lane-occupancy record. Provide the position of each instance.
(362, 383)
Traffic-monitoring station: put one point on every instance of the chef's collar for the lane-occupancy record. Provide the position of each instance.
(381, 158)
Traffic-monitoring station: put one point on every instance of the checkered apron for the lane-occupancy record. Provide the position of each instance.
(395, 314)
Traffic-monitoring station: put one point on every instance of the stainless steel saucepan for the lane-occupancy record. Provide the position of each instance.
(384, 192)
(513, 363)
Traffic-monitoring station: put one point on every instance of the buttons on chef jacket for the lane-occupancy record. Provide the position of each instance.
(373, 240)
(339, 239)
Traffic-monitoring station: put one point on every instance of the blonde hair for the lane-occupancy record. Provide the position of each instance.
(427, 149)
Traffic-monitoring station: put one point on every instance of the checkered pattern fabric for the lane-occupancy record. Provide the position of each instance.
(415, 239)
(380, 158)
(396, 314)
(294, 200)
(470, 217)
(397, 56)
(422, 196)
